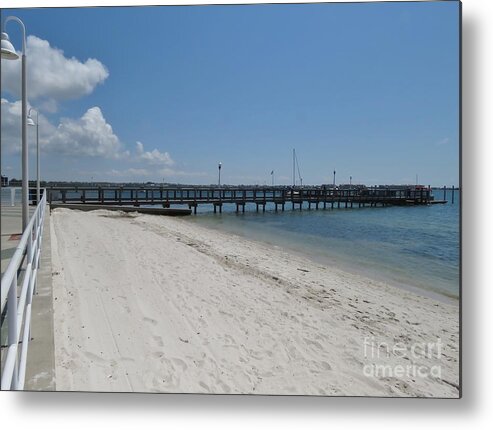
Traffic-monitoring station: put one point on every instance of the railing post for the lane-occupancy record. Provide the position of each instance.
(12, 325)
(30, 247)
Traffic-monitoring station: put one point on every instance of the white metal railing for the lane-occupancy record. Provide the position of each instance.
(23, 267)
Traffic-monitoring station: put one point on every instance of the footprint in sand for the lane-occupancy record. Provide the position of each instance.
(180, 363)
(158, 340)
(93, 357)
(313, 342)
(150, 320)
(205, 386)
(224, 387)
(230, 341)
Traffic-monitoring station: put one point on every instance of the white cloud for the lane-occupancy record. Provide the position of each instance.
(154, 156)
(11, 128)
(168, 173)
(129, 173)
(444, 141)
(89, 135)
(51, 75)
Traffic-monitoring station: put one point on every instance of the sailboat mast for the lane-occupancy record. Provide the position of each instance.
(294, 177)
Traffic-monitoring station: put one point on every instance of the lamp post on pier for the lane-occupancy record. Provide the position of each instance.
(8, 52)
(334, 178)
(219, 167)
(32, 123)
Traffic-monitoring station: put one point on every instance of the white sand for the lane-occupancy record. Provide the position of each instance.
(149, 303)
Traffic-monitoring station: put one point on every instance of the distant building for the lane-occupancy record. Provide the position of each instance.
(5, 181)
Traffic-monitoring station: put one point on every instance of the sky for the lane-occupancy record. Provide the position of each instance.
(163, 94)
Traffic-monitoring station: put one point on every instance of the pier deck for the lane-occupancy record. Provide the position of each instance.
(297, 197)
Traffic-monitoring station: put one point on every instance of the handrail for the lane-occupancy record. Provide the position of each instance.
(19, 311)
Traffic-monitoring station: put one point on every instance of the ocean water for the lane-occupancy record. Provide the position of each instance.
(414, 247)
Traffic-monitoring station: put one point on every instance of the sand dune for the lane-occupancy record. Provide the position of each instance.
(146, 303)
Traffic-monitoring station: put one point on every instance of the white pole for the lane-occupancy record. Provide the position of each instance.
(25, 173)
(38, 188)
(12, 196)
(25, 159)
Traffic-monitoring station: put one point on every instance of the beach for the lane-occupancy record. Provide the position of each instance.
(158, 304)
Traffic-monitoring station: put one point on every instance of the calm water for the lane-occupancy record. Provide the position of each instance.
(417, 247)
(409, 246)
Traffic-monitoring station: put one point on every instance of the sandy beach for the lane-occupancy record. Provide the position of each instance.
(157, 304)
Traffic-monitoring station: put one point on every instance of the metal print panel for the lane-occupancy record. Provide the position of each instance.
(232, 199)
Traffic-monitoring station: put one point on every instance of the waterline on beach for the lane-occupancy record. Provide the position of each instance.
(412, 247)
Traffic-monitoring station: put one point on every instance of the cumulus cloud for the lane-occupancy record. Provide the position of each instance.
(11, 125)
(51, 75)
(89, 135)
(11, 128)
(153, 157)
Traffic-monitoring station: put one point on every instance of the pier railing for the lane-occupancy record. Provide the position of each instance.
(17, 288)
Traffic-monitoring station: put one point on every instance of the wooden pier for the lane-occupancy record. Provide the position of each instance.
(297, 197)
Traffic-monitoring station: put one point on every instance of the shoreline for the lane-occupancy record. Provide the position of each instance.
(225, 314)
(336, 262)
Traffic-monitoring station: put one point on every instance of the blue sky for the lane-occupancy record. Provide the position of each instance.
(371, 90)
